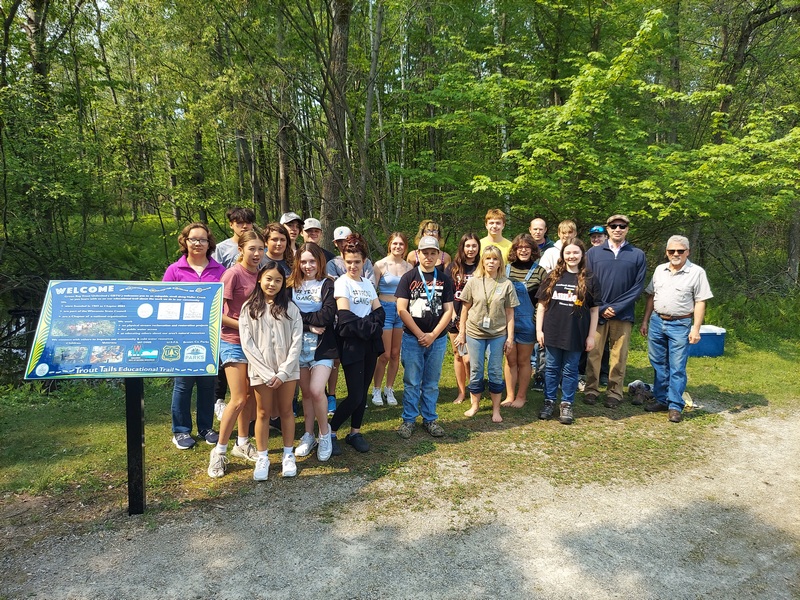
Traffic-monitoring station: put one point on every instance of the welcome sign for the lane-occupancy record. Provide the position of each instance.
(105, 329)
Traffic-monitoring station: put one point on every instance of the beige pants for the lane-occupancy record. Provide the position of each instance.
(618, 334)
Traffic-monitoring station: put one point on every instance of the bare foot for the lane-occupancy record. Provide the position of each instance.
(496, 418)
(459, 399)
(471, 412)
(507, 402)
(517, 403)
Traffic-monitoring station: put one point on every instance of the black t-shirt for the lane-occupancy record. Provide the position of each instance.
(411, 288)
(566, 322)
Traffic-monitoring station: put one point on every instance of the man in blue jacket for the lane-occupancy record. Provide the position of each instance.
(620, 269)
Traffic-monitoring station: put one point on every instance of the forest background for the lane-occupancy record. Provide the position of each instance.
(123, 120)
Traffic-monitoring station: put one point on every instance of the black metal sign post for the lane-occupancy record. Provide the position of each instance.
(131, 329)
(134, 418)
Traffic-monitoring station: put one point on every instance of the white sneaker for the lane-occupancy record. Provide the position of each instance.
(307, 444)
(217, 463)
(247, 452)
(289, 467)
(581, 385)
(219, 408)
(325, 448)
(390, 399)
(262, 469)
(376, 397)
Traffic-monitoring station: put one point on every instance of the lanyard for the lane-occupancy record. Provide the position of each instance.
(430, 293)
(488, 298)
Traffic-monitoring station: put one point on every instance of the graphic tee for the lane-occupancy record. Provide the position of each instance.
(359, 293)
(426, 312)
(567, 320)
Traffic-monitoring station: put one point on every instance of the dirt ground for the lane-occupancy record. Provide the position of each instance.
(728, 527)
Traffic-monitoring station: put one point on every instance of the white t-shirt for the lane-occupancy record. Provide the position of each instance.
(359, 293)
(309, 297)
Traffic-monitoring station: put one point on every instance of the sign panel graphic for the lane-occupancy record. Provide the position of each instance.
(105, 329)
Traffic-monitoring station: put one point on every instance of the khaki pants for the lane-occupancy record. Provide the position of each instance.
(618, 334)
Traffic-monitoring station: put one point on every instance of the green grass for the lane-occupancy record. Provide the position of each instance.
(71, 442)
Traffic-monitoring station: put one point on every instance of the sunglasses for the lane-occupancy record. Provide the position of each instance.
(618, 226)
(679, 252)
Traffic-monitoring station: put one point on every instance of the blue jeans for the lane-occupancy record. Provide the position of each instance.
(668, 351)
(480, 350)
(561, 366)
(182, 403)
(422, 371)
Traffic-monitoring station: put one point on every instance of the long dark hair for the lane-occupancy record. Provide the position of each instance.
(257, 302)
(561, 268)
(460, 259)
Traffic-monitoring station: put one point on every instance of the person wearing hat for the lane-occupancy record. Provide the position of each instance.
(597, 235)
(293, 223)
(312, 232)
(336, 267)
(425, 304)
(620, 269)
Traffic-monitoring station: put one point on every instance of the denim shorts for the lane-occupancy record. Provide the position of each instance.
(231, 353)
(310, 343)
(325, 362)
(524, 332)
(393, 320)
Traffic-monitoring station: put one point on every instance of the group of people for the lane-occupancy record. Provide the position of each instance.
(513, 309)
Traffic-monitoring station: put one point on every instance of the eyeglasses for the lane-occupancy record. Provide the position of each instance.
(678, 251)
(197, 241)
(618, 226)
(524, 248)
(432, 231)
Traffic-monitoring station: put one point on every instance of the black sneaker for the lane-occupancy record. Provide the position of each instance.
(547, 410)
(336, 447)
(538, 384)
(566, 414)
(357, 441)
(275, 423)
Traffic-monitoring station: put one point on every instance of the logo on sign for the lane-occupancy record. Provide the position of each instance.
(194, 354)
(171, 353)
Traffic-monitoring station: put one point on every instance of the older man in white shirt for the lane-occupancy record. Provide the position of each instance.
(676, 306)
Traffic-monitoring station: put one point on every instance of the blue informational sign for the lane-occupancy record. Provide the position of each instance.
(105, 329)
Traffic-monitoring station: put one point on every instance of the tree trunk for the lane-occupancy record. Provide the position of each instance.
(333, 184)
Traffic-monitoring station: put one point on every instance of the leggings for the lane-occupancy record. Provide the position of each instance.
(358, 377)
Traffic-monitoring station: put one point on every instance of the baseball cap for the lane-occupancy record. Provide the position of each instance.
(428, 241)
(341, 233)
(613, 218)
(597, 229)
(289, 217)
(312, 223)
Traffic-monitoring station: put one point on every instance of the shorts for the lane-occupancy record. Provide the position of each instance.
(325, 362)
(310, 343)
(525, 336)
(231, 353)
(393, 320)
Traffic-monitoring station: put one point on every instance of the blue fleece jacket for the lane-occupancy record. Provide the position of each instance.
(621, 278)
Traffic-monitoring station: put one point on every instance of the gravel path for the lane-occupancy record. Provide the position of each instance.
(729, 527)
